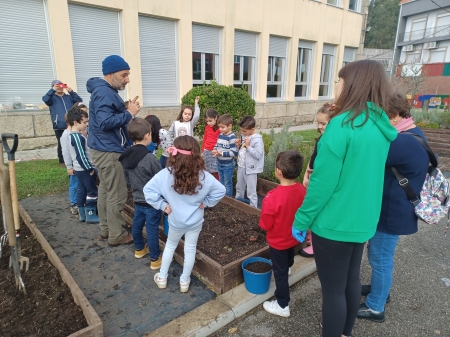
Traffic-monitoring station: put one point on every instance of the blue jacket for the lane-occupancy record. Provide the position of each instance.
(408, 156)
(108, 118)
(59, 105)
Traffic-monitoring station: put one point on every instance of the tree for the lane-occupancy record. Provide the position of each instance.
(382, 20)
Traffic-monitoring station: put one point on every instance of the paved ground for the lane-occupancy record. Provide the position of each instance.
(119, 286)
(420, 301)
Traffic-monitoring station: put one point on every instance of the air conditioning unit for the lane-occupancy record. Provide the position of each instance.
(430, 45)
(409, 47)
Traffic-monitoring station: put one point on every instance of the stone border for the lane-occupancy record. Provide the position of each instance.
(215, 314)
(95, 325)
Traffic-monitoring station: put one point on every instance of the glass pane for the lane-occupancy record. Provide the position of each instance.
(274, 90)
(247, 86)
(197, 66)
(305, 64)
(269, 69)
(210, 67)
(300, 90)
(333, 2)
(352, 5)
(278, 69)
(325, 71)
(237, 68)
(197, 85)
(248, 66)
(323, 90)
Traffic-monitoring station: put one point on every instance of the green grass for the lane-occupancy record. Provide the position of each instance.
(40, 177)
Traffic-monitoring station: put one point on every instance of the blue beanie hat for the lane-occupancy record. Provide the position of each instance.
(113, 64)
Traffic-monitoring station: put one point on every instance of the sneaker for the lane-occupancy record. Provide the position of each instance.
(302, 252)
(156, 264)
(365, 312)
(125, 241)
(274, 308)
(365, 290)
(160, 282)
(139, 254)
(74, 209)
(184, 286)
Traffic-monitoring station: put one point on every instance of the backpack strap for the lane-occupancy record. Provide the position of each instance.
(404, 183)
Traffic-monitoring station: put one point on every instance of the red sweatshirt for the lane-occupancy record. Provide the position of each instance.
(277, 214)
(210, 138)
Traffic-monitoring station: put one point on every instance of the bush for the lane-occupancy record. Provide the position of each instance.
(224, 99)
(434, 118)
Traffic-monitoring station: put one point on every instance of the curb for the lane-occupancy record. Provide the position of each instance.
(215, 314)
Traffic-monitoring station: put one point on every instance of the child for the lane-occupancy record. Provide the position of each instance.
(225, 151)
(182, 190)
(323, 116)
(277, 215)
(83, 167)
(210, 137)
(185, 123)
(160, 137)
(250, 160)
(140, 166)
(73, 180)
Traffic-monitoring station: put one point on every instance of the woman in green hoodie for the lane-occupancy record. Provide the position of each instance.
(343, 203)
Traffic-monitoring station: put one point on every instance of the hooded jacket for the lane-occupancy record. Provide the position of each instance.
(139, 167)
(59, 105)
(108, 117)
(343, 201)
(254, 154)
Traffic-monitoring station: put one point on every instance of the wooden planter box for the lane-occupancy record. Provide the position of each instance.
(439, 140)
(263, 186)
(219, 278)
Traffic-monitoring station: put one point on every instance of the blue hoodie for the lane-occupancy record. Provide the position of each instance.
(59, 105)
(108, 117)
(186, 213)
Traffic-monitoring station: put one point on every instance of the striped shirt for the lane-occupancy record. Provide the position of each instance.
(80, 153)
(225, 145)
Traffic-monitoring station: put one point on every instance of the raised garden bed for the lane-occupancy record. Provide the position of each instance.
(439, 140)
(263, 186)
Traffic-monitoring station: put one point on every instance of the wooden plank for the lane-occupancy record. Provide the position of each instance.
(263, 186)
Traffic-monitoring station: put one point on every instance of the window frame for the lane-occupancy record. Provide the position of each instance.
(308, 74)
(413, 21)
(196, 82)
(357, 6)
(418, 52)
(241, 73)
(272, 82)
(440, 49)
(337, 4)
(344, 61)
(330, 74)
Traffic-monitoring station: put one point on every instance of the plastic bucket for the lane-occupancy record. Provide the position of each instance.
(257, 283)
(166, 224)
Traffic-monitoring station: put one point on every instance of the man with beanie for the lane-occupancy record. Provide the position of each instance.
(107, 139)
(59, 103)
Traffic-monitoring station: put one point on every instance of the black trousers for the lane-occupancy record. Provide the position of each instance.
(338, 267)
(58, 134)
(282, 260)
(87, 189)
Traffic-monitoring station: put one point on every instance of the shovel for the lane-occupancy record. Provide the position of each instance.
(14, 199)
(4, 237)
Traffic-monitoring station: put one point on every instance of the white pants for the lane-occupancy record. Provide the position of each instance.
(250, 181)
(190, 246)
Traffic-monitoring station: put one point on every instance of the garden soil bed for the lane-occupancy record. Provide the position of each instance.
(48, 308)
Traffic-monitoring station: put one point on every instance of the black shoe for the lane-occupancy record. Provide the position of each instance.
(365, 290)
(301, 252)
(364, 312)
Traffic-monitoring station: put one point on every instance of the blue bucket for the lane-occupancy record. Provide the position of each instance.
(166, 224)
(256, 283)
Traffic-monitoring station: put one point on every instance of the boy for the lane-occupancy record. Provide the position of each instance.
(140, 166)
(82, 165)
(250, 160)
(73, 180)
(277, 216)
(225, 151)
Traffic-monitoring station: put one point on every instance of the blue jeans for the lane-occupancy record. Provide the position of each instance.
(87, 189)
(163, 161)
(151, 217)
(381, 258)
(73, 189)
(226, 171)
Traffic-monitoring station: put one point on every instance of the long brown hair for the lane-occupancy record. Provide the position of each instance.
(364, 81)
(180, 115)
(185, 168)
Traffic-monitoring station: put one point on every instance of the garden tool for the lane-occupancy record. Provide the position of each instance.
(4, 237)
(14, 199)
(8, 212)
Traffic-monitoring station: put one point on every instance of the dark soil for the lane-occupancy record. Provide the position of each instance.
(48, 308)
(258, 267)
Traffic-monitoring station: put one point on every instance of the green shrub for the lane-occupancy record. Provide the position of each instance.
(224, 99)
(434, 118)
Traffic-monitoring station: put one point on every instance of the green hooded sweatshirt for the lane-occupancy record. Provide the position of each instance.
(343, 200)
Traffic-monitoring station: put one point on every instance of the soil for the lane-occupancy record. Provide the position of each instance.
(48, 308)
(258, 267)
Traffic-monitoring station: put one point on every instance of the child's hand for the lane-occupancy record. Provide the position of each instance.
(201, 206)
(247, 141)
(70, 172)
(216, 153)
(237, 141)
(92, 173)
(168, 210)
(197, 99)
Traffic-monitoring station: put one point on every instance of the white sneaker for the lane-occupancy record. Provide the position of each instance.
(184, 286)
(274, 308)
(160, 282)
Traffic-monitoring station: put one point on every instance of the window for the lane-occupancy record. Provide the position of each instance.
(333, 2)
(349, 55)
(413, 57)
(418, 29)
(276, 68)
(354, 5)
(442, 25)
(205, 54)
(304, 69)
(437, 55)
(326, 71)
(245, 61)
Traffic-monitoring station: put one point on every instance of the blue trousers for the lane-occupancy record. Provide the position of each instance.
(381, 258)
(226, 171)
(163, 161)
(87, 189)
(150, 217)
(73, 189)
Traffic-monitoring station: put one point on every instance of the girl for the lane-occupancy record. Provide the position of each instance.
(343, 203)
(323, 116)
(160, 137)
(185, 123)
(182, 190)
(210, 137)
